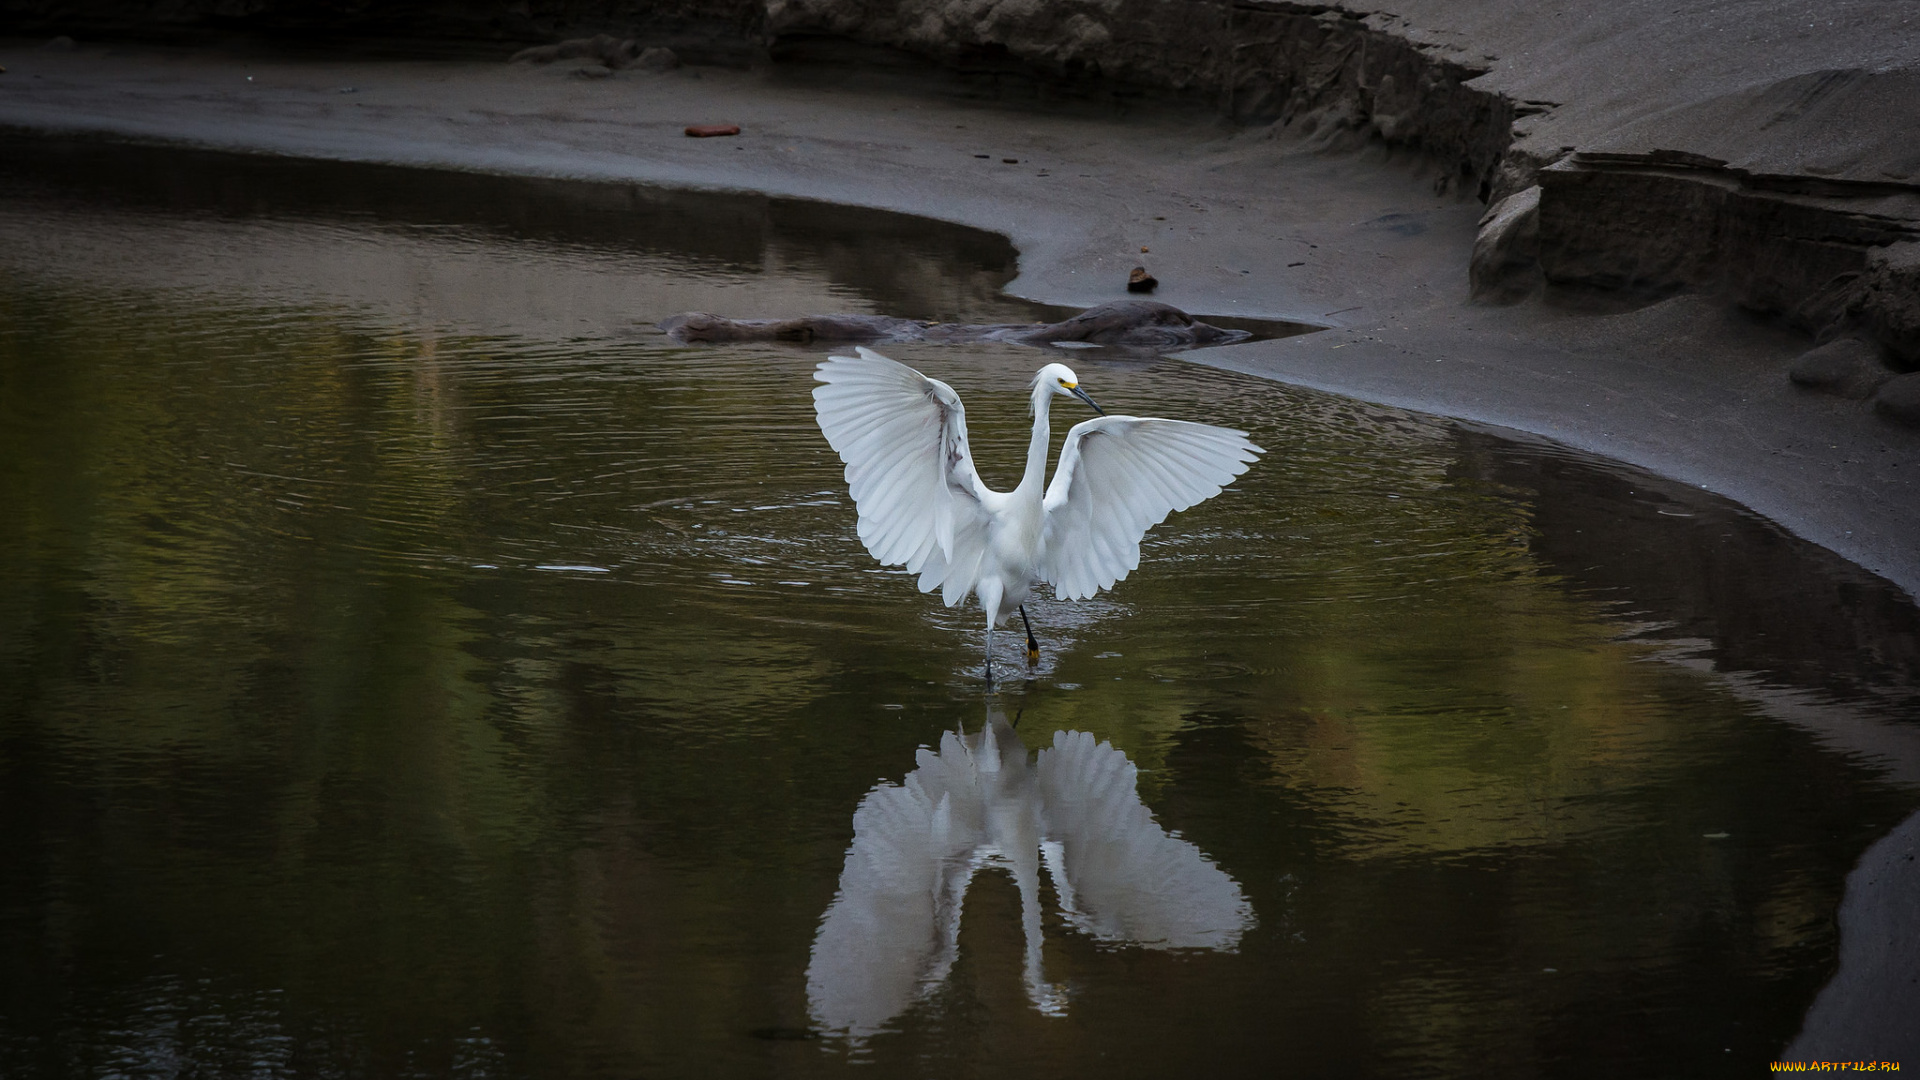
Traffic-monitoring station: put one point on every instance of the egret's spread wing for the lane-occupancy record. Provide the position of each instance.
(904, 439)
(893, 931)
(1119, 875)
(1120, 476)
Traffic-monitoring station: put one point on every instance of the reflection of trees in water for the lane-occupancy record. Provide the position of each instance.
(892, 934)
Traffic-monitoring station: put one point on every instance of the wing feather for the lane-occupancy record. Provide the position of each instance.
(903, 438)
(1119, 875)
(1120, 476)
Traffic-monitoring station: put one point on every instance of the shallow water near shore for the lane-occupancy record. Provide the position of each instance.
(412, 664)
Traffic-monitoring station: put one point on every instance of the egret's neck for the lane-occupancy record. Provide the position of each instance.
(1034, 480)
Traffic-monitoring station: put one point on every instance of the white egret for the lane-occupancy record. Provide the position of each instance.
(922, 505)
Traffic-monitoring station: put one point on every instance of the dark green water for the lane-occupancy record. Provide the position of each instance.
(412, 665)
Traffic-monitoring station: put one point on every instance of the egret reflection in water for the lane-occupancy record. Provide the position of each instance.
(892, 933)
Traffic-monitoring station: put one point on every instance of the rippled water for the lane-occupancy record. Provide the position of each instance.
(410, 663)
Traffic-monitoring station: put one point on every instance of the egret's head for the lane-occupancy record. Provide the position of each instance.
(1060, 379)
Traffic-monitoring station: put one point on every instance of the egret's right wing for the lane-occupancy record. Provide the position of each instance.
(904, 439)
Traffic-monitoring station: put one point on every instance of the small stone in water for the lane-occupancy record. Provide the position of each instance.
(708, 131)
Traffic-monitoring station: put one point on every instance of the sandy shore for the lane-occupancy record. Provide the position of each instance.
(1237, 222)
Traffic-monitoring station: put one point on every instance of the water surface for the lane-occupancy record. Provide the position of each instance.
(411, 664)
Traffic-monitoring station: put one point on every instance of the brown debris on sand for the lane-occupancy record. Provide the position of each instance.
(1122, 324)
(1140, 281)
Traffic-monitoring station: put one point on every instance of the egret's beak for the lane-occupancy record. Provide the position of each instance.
(1082, 395)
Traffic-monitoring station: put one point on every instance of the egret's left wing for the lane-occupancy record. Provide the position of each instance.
(1120, 476)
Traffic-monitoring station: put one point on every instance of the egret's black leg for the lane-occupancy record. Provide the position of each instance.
(1033, 647)
(989, 658)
